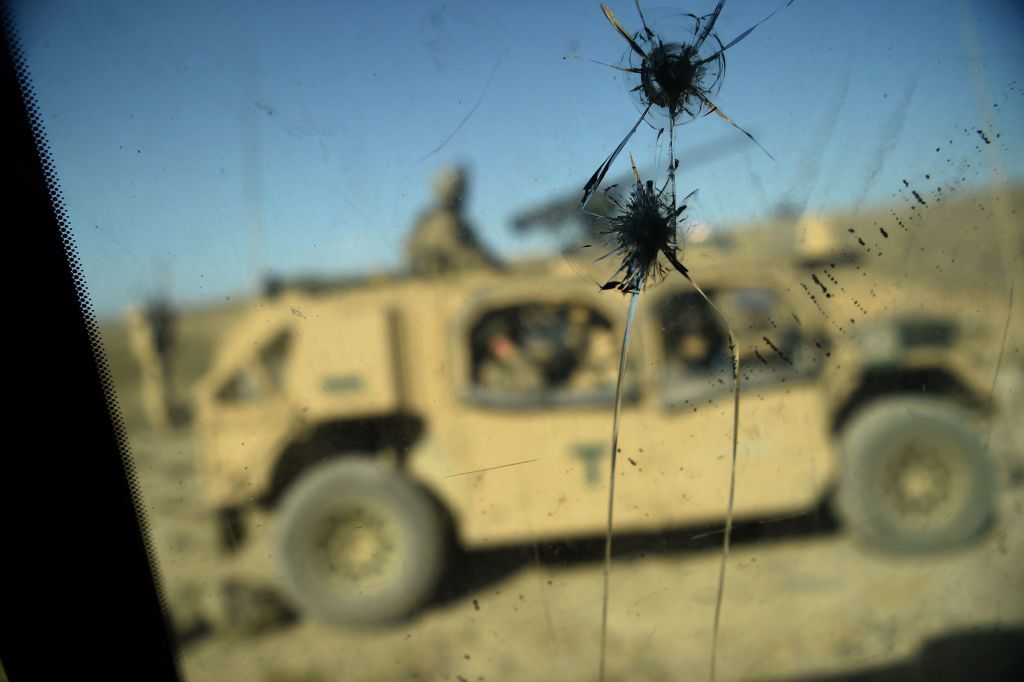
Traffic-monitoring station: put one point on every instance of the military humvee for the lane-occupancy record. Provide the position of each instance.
(377, 421)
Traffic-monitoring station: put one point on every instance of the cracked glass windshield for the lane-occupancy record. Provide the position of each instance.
(507, 341)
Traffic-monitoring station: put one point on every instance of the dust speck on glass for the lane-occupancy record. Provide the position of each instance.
(404, 405)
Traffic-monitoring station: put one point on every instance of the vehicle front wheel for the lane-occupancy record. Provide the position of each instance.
(915, 475)
(358, 543)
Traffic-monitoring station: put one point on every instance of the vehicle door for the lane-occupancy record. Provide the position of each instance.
(536, 391)
(244, 414)
(676, 465)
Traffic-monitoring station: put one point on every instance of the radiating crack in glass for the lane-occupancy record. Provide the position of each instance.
(642, 231)
(679, 77)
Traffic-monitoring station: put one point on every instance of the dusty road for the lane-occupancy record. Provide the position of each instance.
(802, 602)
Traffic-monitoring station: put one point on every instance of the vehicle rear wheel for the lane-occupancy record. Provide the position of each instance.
(915, 475)
(358, 543)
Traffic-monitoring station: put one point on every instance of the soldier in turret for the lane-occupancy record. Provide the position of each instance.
(442, 241)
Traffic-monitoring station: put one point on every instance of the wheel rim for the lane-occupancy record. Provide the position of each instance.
(924, 483)
(353, 548)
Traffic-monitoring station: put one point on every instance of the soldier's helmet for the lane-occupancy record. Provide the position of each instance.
(818, 240)
(815, 239)
(450, 185)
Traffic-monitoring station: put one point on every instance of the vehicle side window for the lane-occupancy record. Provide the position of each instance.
(546, 352)
(695, 343)
(256, 380)
(767, 333)
(273, 358)
(242, 387)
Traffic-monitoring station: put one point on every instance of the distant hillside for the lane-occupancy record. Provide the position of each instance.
(955, 241)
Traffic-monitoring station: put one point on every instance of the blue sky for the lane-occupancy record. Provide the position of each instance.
(200, 144)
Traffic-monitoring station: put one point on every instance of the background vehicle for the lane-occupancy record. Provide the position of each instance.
(378, 422)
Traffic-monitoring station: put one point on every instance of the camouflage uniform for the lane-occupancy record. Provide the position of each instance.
(508, 370)
(442, 241)
(598, 367)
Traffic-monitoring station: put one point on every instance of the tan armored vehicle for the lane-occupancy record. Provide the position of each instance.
(376, 422)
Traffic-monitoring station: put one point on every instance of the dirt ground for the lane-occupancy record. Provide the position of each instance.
(803, 601)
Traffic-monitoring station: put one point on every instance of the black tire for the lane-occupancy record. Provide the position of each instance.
(915, 476)
(358, 543)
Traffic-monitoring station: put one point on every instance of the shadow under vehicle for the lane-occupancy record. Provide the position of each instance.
(377, 424)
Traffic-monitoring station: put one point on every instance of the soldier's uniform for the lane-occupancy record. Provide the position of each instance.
(598, 367)
(506, 369)
(695, 341)
(441, 240)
